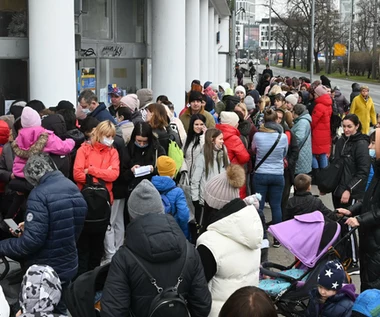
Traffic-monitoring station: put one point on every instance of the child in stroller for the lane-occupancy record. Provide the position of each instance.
(312, 241)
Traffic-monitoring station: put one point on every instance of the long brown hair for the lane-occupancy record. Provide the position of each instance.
(159, 118)
(208, 150)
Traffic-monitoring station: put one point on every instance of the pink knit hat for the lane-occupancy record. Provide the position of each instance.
(30, 118)
(131, 101)
(320, 90)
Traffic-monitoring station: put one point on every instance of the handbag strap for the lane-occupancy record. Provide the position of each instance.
(152, 279)
(305, 139)
(269, 152)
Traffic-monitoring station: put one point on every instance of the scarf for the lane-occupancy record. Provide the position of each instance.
(274, 126)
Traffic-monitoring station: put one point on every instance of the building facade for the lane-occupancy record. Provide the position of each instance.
(51, 50)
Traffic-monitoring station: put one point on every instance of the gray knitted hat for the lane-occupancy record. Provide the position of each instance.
(145, 199)
(37, 166)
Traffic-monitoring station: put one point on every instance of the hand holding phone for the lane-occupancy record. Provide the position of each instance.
(12, 225)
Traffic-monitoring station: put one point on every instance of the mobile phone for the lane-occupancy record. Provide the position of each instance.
(11, 224)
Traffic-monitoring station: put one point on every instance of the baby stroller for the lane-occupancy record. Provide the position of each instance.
(10, 281)
(81, 295)
(313, 242)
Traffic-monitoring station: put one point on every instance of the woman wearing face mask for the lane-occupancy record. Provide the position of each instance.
(195, 141)
(211, 162)
(365, 214)
(353, 147)
(142, 150)
(96, 158)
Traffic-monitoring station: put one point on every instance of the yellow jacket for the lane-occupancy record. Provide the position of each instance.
(365, 110)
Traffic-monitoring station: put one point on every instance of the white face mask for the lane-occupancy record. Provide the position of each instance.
(106, 141)
(86, 111)
(372, 152)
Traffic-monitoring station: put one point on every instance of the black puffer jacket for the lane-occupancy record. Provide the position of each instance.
(159, 244)
(368, 215)
(355, 91)
(354, 150)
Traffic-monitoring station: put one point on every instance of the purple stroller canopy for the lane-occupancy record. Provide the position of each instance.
(302, 236)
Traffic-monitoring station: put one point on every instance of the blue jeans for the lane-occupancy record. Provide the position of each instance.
(320, 161)
(273, 185)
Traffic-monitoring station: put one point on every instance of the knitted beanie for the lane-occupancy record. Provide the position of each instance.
(331, 276)
(230, 118)
(368, 303)
(240, 88)
(30, 118)
(195, 95)
(223, 188)
(320, 90)
(40, 290)
(145, 199)
(249, 102)
(145, 96)
(292, 99)
(131, 101)
(166, 166)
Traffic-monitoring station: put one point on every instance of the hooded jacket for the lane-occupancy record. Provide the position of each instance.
(341, 102)
(192, 152)
(302, 130)
(354, 150)
(234, 237)
(367, 213)
(339, 305)
(176, 196)
(40, 300)
(54, 219)
(237, 152)
(102, 114)
(36, 140)
(320, 125)
(158, 242)
(101, 161)
(365, 110)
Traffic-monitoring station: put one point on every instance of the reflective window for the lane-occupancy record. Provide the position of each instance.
(97, 19)
(13, 18)
(130, 21)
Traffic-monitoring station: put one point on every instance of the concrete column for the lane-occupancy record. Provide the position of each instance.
(203, 41)
(52, 74)
(211, 44)
(216, 46)
(223, 58)
(168, 50)
(192, 41)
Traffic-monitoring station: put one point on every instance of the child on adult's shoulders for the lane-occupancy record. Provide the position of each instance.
(303, 201)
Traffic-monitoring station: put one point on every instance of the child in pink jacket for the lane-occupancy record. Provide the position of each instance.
(33, 139)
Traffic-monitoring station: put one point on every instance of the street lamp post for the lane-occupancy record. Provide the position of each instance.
(312, 40)
(270, 30)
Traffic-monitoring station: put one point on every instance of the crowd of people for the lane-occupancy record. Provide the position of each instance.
(181, 197)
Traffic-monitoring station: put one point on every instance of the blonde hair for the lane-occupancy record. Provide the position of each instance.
(243, 107)
(264, 101)
(276, 89)
(104, 128)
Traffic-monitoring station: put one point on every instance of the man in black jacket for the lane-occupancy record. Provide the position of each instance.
(159, 244)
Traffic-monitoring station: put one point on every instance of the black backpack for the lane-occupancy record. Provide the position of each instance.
(98, 202)
(168, 302)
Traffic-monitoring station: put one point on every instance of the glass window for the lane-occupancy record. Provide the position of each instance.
(13, 81)
(130, 21)
(97, 19)
(13, 18)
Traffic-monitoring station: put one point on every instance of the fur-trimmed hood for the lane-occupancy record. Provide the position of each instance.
(36, 148)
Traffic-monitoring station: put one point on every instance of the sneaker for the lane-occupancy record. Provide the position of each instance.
(276, 243)
(353, 269)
